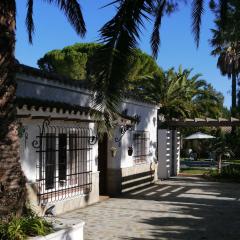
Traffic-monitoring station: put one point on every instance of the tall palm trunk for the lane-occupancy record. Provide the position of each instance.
(234, 94)
(12, 181)
(220, 163)
(234, 99)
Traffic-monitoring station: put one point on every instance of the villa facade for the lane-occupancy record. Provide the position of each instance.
(66, 164)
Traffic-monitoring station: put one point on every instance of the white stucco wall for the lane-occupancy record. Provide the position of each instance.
(45, 89)
(148, 122)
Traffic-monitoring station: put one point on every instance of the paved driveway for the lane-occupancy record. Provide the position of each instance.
(181, 208)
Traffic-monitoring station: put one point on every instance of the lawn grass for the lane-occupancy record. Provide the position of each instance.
(230, 173)
(232, 161)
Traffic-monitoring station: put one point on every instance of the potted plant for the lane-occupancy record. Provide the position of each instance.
(114, 151)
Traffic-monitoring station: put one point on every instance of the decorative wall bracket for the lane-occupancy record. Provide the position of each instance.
(123, 130)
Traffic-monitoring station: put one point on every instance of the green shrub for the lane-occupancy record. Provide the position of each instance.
(229, 172)
(28, 225)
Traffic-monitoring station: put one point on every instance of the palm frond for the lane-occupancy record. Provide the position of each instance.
(223, 12)
(155, 38)
(73, 12)
(120, 37)
(29, 20)
(197, 12)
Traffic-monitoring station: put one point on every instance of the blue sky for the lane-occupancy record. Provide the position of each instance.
(177, 45)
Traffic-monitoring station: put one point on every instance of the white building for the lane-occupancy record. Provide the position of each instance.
(64, 164)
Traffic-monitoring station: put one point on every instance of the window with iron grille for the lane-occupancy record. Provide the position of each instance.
(65, 162)
(140, 146)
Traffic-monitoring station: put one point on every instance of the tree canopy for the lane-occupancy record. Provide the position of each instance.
(226, 44)
(72, 61)
(77, 62)
(180, 94)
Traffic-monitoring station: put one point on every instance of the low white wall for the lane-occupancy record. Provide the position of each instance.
(74, 232)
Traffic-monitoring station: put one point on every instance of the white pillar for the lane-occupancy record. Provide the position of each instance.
(168, 153)
(177, 143)
(164, 153)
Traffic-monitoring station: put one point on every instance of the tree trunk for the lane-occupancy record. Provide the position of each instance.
(234, 99)
(234, 95)
(220, 163)
(12, 181)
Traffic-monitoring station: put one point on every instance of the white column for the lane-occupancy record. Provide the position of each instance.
(164, 153)
(177, 147)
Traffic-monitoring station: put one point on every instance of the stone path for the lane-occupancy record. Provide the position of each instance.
(182, 208)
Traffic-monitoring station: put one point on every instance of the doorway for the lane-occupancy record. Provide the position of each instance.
(102, 164)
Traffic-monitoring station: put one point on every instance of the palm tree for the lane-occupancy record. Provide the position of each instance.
(226, 44)
(120, 36)
(229, 64)
(209, 103)
(179, 93)
(221, 149)
(11, 177)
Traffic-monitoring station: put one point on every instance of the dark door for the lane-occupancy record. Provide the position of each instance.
(102, 164)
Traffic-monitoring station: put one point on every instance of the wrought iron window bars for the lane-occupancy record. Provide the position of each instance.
(140, 146)
(64, 167)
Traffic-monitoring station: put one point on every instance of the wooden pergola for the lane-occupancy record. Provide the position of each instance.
(198, 122)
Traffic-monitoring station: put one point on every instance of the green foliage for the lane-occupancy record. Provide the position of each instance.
(73, 61)
(226, 45)
(230, 172)
(233, 141)
(28, 225)
(180, 94)
(78, 61)
(81, 62)
(141, 66)
(192, 171)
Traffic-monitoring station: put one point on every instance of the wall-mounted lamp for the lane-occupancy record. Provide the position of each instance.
(161, 118)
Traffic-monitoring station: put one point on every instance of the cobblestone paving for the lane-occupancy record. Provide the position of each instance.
(177, 209)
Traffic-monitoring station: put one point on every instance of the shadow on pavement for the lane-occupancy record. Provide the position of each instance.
(190, 209)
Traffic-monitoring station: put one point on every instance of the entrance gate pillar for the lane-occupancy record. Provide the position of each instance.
(168, 153)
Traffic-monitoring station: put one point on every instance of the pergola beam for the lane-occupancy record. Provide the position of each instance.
(200, 122)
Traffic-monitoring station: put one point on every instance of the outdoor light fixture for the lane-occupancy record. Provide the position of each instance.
(161, 118)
